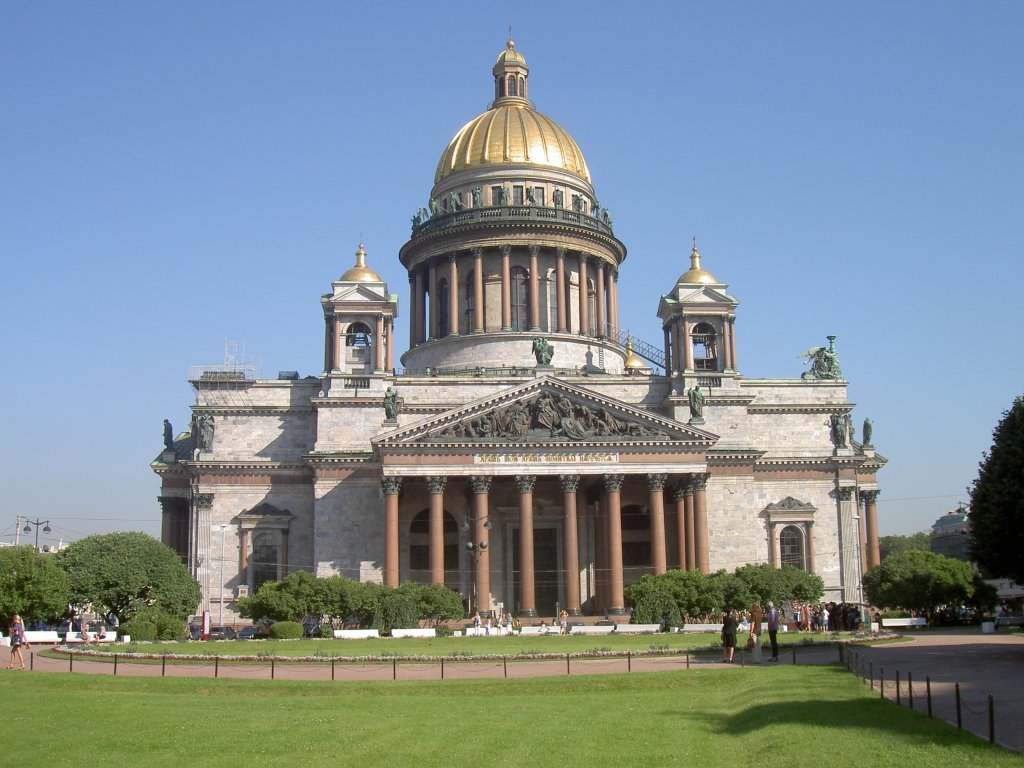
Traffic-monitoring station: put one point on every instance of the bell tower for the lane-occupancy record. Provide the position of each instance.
(359, 319)
(698, 318)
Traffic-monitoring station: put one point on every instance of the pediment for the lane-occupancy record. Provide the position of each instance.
(547, 411)
(359, 292)
(703, 294)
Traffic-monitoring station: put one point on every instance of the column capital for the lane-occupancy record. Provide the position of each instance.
(656, 480)
(437, 484)
(391, 484)
(845, 493)
(570, 483)
(613, 482)
(452, 256)
(480, 483)
(204, 500)
(560, 251)
(505, 249)
(870, 496)
(680, 491)
(478, 252)
(534, 250)
(584, 257)
(699, 481)
(525, 483)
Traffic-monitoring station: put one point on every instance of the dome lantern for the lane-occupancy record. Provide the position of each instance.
(510, 76)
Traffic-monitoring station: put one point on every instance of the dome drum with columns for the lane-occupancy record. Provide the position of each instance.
(530, 455)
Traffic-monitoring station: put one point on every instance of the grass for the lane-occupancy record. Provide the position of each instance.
(704, 718)
(448, 646)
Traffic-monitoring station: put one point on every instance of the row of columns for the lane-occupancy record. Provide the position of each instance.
(425, 323)
(871, 553)
(383, 342)
(691, 511)
(679, 344)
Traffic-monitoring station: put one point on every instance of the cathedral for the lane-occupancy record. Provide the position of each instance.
(526, 453)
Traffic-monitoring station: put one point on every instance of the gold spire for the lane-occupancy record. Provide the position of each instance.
(633, 361)
(361, 273)
(695, 274)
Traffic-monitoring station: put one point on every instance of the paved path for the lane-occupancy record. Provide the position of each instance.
(983, 665)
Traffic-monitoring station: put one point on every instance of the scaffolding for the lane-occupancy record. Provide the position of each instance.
(226, 384)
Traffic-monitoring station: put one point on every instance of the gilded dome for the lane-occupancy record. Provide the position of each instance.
(695, 274)
(360, 273)
(511, 132)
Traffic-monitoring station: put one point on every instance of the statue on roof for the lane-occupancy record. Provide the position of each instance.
(543, 351)
(391, 404)
(868, 429)
(839, 424)
(168, 436)
(478, 196)
(824, 362)
(696, 400)
(558, 198)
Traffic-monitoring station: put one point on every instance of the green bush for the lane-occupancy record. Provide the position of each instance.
(152, 624)
(286, 630)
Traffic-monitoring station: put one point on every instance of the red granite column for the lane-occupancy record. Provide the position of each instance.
(418, 312)
(328, 341)
(506, 288)
(599, 331)
(434, 303)
(479, 321)
(436, 486)
(527, 567)
(584, 301)
(339, 345)
(601, 553)
(570, 544)
(413, 286)
(560, 289)
(613, 299)
(390, 360)
(727, 343)
(391, 487)
(378, 345)
(691, 541)
(732, 341)
(669, 357)
(659, 557)
(616, 588)
(481, 485)
(534, 289)
(687, 344)
(700, 522)
(453, 295)
(679, 499)
(679, 352)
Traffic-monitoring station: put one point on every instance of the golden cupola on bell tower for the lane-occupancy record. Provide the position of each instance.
(699, 318)
(510, 76)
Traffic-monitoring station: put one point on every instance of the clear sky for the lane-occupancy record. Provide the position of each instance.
(175, 175)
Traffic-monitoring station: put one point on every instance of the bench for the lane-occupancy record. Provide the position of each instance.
(1009, 621)
(43, 637)
(534, 631)
(416, 632)
(355, 634)
(583, 629)
(637, 629)
(76, 637)
(905, 623)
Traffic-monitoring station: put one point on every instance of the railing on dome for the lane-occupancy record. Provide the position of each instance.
(479, 370)
(512, 213)
(644, 349)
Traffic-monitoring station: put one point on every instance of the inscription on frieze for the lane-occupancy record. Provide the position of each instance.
(540, 457)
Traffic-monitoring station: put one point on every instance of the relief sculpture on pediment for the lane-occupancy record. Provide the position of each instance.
(544, 417)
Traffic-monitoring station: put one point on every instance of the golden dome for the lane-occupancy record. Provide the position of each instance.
(361, 273)
(511, 132)
(633, 361)
(695, 274)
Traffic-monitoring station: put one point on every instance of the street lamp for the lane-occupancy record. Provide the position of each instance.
(475, 549)
(36, 523)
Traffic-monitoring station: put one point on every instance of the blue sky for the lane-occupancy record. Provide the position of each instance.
(180, 174)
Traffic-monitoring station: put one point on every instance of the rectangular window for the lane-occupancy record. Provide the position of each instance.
(517, 196)
(495, 195)
(538, 195)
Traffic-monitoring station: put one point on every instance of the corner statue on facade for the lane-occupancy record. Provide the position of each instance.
(202, 430)
(696, 399)
(868, 429)
(391, 404)
(168, 435)
(543, 351)
(839, 428)
(824, 362)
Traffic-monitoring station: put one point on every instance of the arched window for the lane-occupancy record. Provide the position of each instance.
(520, 300)
(358, 335)
(791, 547)
(522, 87)
(705, 347)
(512, 86)
(419, 548)
(443, 308)
(265, 558)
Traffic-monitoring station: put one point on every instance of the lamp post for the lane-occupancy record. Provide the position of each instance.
(475, 549)
(36, 523)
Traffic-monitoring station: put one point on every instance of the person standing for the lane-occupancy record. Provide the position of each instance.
(773, 630)
(756, 617)
(17, 641)
(729, 627)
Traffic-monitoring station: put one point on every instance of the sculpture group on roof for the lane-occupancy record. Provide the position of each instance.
(824, 362)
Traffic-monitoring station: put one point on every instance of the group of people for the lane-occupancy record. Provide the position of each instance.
(758, 619)
(827, 617)
(502, 625)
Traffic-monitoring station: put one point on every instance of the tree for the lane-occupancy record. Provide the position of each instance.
(997, 500)
(890, 545)
(435, 600)
(921, 582)
(122, 573)
(31, 585)
(293, 598)
(766, 583)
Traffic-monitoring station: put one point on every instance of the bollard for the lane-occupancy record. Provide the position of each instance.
(271, 669)
(959, 719)
(332, 668)
(71, 662)
(442, 669)
(216, 666)
(31, 661)
(629, 661)
(567, 663)
(928, 692)
(687, 659)
(991, 720)
(910, 688)
(115, 665)
(163, 665)
(897, 687)
(504, 665)
(394, 669)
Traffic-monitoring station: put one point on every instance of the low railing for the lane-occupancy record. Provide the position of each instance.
(517, 213)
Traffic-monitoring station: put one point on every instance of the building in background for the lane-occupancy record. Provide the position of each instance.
(530, 453)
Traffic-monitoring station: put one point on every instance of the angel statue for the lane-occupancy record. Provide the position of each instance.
(824, 362)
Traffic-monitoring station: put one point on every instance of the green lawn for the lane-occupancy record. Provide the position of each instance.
(447, 646)
(705, 718)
